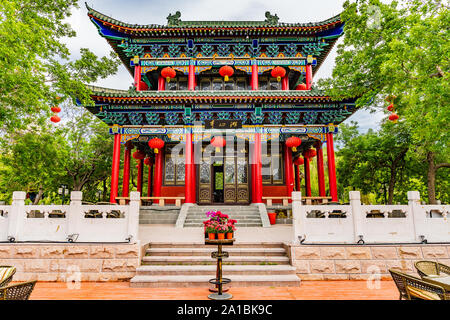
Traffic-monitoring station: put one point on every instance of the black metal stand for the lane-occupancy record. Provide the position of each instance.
(219, 281)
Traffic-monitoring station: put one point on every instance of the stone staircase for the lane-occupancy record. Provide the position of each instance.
(246, 216)
(158, 215)
(168, 265)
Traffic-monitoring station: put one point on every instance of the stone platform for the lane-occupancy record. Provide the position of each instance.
(71, 261)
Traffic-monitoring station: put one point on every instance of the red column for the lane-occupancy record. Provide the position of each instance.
(140, 174)
(157, 181)
(258, 168)
(307, 178)
(115, 169)
(285, 83)
(254, 81)
(126, 170)
(252, 170)
(297, 178)
(288, 170)
(308, 76)
(137, 77)
(149, 180)
(189, 183)
(331, 168)
(161, 83)
(320, 169)
(191, 77)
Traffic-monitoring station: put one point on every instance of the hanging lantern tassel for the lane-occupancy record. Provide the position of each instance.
(168, 73)
(218, 142)
(278, 72)
(226, 72)
(139, 155)
(394, 117)
(293, 142)
(156, 144)
(55, 119)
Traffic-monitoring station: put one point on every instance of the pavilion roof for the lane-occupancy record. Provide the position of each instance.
(176, 25)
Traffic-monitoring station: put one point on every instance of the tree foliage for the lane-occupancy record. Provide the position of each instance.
(382, 164)
(400, 50)
(35, 63)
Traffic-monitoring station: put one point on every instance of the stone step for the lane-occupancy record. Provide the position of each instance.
(253, 209)
(208, 251)
(205, 260)
(170, 281)
(237, 225)
(224, 211)
(203, 245)
(238, 214)
(210, 270)
(159, 214)
(198, 219)
(157, 221)
(221, 208)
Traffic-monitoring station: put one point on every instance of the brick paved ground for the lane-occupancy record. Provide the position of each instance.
(316, 290)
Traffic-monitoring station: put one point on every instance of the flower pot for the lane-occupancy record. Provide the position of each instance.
(221, 236)
(272, 217)
(211, 236)
(229, 235)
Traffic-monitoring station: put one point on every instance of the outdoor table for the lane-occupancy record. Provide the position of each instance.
(444, 282)
(219, 280)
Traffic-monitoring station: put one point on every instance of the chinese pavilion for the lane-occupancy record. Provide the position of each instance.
(221, 111)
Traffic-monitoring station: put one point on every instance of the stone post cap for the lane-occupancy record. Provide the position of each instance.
(354, 195)
(413, 195)
(76, 196)
(19, 195)
(296, 196)
(135, 196)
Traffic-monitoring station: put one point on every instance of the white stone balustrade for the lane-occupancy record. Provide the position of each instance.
(77, 222)
(335, 224)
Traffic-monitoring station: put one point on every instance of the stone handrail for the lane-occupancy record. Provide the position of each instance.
(357, 223)
(70, 223)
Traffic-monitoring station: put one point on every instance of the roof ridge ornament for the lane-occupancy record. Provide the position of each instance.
(271, 19)
(174, 19)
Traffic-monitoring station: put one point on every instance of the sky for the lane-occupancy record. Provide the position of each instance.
(156, 11)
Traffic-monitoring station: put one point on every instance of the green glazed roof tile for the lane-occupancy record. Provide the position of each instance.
(211, 24)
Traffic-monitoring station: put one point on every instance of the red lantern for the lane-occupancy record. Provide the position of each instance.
(393, 117)
(310, 153)
(218, 142)
(55, 119)
(168, 73)
(156, 144)
(138, 155)
(299, 161)
(226, 71)
(293, 142)
(56, 109)
(391, 107)
(278, 72)
(148, 161)
(301, 86)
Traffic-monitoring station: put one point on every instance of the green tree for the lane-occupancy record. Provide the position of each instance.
(374, 161)
(400, 50)
(88, 156)
(36, 70)
(34, 161)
